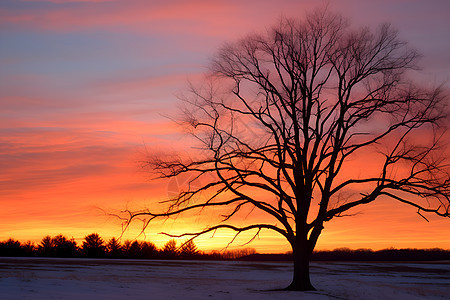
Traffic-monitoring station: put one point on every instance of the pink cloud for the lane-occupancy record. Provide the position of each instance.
(102, 14)
(152, 85)
(211, 18)
(69, 1)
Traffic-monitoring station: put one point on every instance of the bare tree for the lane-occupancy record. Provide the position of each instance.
(282, 119)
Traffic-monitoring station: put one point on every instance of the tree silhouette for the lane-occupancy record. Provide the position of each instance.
(134, 250)
(58, 246)
(46, 247)
(126, 247)
(11, 247)
(170, 249)
(287, 120)
(189, 250)
(148, 250)
(93, 246)
(114, 248)
(28, 248)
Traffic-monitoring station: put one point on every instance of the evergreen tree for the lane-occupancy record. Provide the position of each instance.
(113, 248)
(189, 250)
(93, 246)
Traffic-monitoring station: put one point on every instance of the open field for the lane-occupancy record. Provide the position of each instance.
(50, 278)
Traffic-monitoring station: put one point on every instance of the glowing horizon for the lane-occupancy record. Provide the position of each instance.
(85, 88)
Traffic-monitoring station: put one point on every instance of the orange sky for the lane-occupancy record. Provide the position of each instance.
(85, 88)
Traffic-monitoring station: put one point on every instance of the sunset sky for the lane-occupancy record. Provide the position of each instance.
(86, 88)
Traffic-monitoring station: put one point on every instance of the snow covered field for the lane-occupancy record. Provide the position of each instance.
(45, 278)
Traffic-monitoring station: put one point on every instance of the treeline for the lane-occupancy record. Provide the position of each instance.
(346, 254)
(93, 246)
(390, 254)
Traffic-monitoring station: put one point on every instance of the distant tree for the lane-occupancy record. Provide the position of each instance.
(64, 247)
(126, 247)
(214, 255)
(11, 247)
(46, 247)
(134, 250)
(113, 248)
(283, 119)
(390, 254)
(148, 250)
(189, 250)
(139, 249)
(29, 248)
(93, 246)
(238, 253)
(170, 249)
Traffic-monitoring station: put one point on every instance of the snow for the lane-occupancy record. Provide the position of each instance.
(50, 278)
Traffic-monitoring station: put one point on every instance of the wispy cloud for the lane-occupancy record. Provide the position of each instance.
(113, 15)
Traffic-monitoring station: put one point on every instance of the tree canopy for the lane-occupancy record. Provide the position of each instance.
(285, 117)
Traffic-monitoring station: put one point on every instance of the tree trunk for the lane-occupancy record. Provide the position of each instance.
(301, 281)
